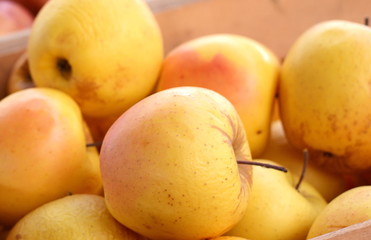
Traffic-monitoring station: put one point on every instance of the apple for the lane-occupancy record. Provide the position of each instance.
(13, 17)
(43, 153)
(237, 67)
(324, 95)
(350, 207)
(106, 55)
(328, 183)
(20, 77)
(33, 5)
(276, 209)
(79, 216)
(169, 165)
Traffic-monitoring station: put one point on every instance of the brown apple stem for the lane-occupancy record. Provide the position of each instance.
(94, 144)
(304, 169)
(266, 165)
(366, 21)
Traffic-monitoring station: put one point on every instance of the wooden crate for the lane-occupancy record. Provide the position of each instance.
(359, 231)
(275, 23)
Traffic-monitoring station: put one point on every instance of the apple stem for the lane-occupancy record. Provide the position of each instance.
(305, 164)
(366, 21)
(94, 144)
(266, 165)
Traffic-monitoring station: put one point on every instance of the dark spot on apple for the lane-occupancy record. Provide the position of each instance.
(18, 236)
(259, 132)
(146, 226)
(327, 154)
(64, 68)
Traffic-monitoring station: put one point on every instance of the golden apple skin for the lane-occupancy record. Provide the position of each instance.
(324, 94)
(276, 210)
(350, 207)
(241, 69)
(106, 55)
(169, 165)
(43, 154)
(328, 183)
(79, 216)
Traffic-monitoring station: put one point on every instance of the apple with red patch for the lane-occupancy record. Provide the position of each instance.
(239, 68)
(14, 17)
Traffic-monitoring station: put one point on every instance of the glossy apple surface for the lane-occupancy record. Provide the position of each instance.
(43, 153)
(106, 55)
(324, 95)
(169, 163)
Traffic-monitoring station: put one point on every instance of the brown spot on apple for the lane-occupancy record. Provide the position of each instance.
(332, 118)
(87, 89)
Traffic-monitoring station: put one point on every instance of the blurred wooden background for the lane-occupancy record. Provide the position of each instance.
(275, 23)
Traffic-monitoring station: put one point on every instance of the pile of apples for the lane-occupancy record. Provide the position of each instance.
(218, 139)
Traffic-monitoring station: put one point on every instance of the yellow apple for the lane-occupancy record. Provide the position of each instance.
(350, 207)
(324, 94)
(276, 209)
(329, 184)
(169, 165)
(80, 216)
(106, 55)
(239, 68)
(43, 153)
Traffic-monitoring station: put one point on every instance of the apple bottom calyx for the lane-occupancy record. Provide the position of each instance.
(64, 68)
